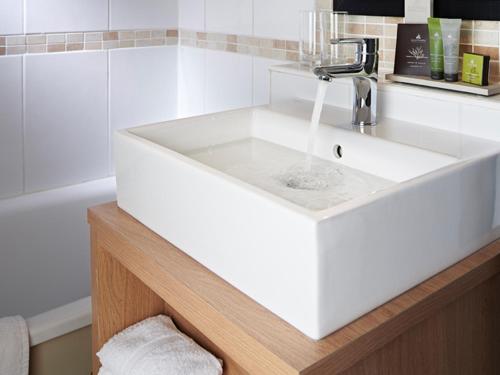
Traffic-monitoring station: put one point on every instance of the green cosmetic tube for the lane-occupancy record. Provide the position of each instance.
(436, 48)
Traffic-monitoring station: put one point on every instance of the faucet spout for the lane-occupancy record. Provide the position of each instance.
(364, 72)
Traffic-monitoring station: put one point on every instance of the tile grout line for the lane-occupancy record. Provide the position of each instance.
(23, 122)
(498, 68)
(24, 16)
(205, 16)
(253, 57)
(109, 14)
(108, 108)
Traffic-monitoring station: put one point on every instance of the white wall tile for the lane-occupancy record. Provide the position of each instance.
(11, 126)
(480, 122)
(143, 86)
(286, 87)
(191, 81)
(11, 17)
(228, 81)
(142, 14)
(262, 79)
(229, 16)
(66, 130)
(66, 15)
(279, 19)
(422, 110)
(192, 14)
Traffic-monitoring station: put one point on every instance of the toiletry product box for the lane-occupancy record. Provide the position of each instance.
(475, 69)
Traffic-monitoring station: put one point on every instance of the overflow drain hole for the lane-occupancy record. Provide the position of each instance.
(337, 151)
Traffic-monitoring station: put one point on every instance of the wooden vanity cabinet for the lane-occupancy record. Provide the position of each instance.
(450, 324)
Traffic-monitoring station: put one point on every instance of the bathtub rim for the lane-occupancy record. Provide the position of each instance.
(59, 321)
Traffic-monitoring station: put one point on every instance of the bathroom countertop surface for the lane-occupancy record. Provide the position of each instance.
(438, 94)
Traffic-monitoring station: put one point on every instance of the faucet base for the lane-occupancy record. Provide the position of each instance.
(364, 124)
(365, 101)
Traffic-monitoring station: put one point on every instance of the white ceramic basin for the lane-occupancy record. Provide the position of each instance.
(399, 207)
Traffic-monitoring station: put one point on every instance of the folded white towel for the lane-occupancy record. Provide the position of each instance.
(153, 347)
(14, 346)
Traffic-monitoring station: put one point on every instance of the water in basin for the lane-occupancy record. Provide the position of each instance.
(305, 180)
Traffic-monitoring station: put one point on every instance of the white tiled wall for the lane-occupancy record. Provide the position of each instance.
(143, 86)
(11, 126)
(11, 17)
(191, 81)
(229, 81)
(286, 87)
(56, 111)
(426, 111)
(245, 81)
(479, 121)
(261, 79)
(142, 14)
(192, 14)
(213, 81)
(264, 18)
(279, 18)
(66, 15)
(229, 16)
(66, 135)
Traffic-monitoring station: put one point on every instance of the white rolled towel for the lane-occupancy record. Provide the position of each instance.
(153, 347)
(14, 346)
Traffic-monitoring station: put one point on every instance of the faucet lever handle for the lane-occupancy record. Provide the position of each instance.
(347, 41)
(366, 46)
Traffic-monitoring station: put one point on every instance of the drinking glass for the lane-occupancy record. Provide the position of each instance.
(317, 28)
(332, 26)
(309, 43)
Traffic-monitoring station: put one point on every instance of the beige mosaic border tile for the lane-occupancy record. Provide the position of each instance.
(79, 41)
(278, 49)
(477, 36)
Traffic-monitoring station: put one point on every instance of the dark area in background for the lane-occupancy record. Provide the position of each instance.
(467, 9)
(464, 9)
(391, 8)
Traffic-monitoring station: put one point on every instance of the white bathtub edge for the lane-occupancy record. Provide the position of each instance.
(59, 321)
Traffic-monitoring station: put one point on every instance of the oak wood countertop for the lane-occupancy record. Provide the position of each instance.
(251, 334)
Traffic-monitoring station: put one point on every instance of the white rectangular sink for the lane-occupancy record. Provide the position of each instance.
(229, 190)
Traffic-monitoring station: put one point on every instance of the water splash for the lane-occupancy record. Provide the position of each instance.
(313, 175)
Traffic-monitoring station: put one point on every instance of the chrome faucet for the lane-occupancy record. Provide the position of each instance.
(364, 72)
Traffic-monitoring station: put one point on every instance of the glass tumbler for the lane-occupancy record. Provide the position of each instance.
(317, 28)
(332, 26)
(309, 42)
